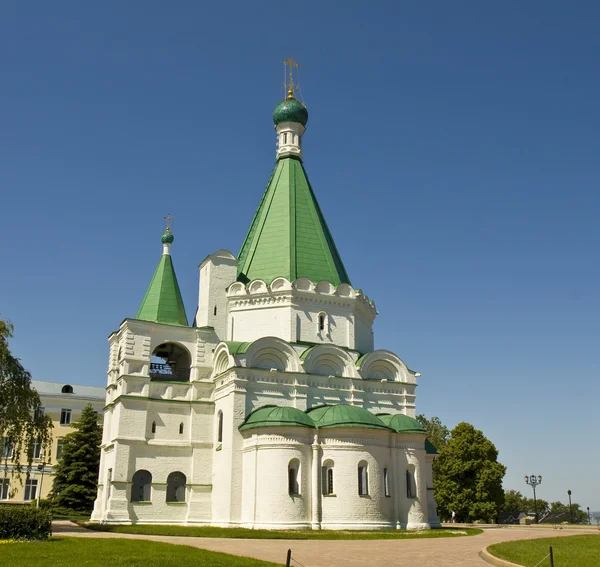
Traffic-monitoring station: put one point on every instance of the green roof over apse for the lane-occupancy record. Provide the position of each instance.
(274, 415)
(163, 302)
(402, 423)
(430, 448)
(342, 415)
(289, 236)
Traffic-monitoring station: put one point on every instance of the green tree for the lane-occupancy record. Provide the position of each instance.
(468, 476)
(76, 478)
(513, 502)
(22, 421)
(579, 516)
(437, 432)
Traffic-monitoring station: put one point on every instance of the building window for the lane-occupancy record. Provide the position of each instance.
(4, 488)
(181, 428)
(7, 448)
(363, 479)
(328, 478)
(35, 448)
(176, 487)
(141, 486)
(215, 311)
(386, 482)
(39, 413)
(59, 448)
(220, 427)
(293, 476)
(67, 389)
(411, 491)
(30, 489)
(154, 427)
(65, 416)
(322, 322)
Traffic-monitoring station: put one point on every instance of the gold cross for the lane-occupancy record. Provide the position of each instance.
(168, 219)
(289, 86)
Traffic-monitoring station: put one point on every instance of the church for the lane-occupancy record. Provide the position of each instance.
(272, 408)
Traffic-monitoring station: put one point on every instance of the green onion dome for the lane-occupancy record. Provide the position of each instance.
(167, 237)
(290, 110)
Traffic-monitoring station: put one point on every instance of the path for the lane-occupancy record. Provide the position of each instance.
(442, 552)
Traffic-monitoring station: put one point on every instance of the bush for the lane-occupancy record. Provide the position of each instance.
(24, 522)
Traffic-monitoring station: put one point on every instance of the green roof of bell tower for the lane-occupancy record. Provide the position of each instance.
(163, 302)
(289, 236)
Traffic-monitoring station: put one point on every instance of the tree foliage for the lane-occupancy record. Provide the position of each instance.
(76, 478)
(468, 477)
(437, 432)
(21, 420)
(516, 503)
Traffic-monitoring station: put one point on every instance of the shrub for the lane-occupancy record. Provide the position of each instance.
(24, 522)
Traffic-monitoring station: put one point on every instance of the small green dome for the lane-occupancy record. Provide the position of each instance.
(290, 110)
(402, 423)
(274, 415)
(342, 415)
(167, 237)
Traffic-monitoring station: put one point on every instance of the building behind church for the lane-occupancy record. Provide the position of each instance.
(272, 408)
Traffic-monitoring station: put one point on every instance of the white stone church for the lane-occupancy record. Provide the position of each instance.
(272, 409)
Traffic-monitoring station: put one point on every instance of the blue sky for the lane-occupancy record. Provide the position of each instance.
(453, 148)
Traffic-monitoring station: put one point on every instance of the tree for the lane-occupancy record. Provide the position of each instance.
(516, 503)
(579, 516)
(22, 421)
(76, 478)
(437, 432)
(468, 476)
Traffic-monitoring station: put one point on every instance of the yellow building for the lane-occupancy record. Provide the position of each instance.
(63, 403)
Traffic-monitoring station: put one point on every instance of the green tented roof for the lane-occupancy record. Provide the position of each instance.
(162, 302)
(401, 423)
(274, 415)
(430, 448)
(342, 415)
(289, 236)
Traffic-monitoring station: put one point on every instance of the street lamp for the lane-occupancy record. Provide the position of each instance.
(533, 481)
(570, 506)
(589, 517)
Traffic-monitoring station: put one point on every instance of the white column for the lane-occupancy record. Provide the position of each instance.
(315, 485)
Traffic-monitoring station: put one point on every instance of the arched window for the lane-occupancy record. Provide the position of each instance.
(386, 482)
(141, 486)
(170, 361)
(293, 477)
(66, 389)
(328, 478)
(154, 427)
(220, 427)
(363, 478)
(181, 428)
(411, 489)
(176, 487)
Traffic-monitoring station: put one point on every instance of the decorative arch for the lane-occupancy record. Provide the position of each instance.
(223, 360)
(329, 360)
(345, 290)
(304, 284)
(280, 284)
(67, 389)
(237, 288)
(325, 287)
(170, 361)
(384, 365)
(272, 352)
(257, 286)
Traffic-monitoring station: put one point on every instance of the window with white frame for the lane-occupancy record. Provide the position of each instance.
(363, 478)
(35, 448)
(386, 482)
(4, 488)
(293, 477)
(39, 413)
(328, 478)
(30, 489)
(59, 448)
(7, 448)
(65, 416)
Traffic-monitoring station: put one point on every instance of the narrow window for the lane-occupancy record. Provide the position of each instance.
(181, 429)
(35, 448)
(7, 448)
(220, 428)
(321, 322)
(327, 478)
(330, 481)
(410, 484)
(386, 483)
(363, 479)
(293, 483)
(176, 487)
(215, 310)
(65, 416)
(39, 413)
(141, 486)
(30, 489)
(154, 427)
(59, 448)
(4, 488)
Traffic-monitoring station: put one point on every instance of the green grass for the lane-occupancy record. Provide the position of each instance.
(91, 552)
(571, 551)
(205, 531)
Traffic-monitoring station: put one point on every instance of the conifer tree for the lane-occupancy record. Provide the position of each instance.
(76, 478)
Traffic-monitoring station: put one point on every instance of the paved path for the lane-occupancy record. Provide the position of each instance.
(442, 552)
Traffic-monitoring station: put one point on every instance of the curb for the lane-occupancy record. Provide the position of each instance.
(493, 560)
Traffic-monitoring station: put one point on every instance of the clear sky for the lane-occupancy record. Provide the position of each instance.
(453, 147)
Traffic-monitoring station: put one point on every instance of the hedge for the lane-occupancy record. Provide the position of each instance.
(24, 522)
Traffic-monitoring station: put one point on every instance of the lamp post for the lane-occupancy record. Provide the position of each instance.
(570, 505)
(589, 517)
(533, 481)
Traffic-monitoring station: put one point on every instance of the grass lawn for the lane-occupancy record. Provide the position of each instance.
(70, 551)
(571, 551)
(205, 531)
